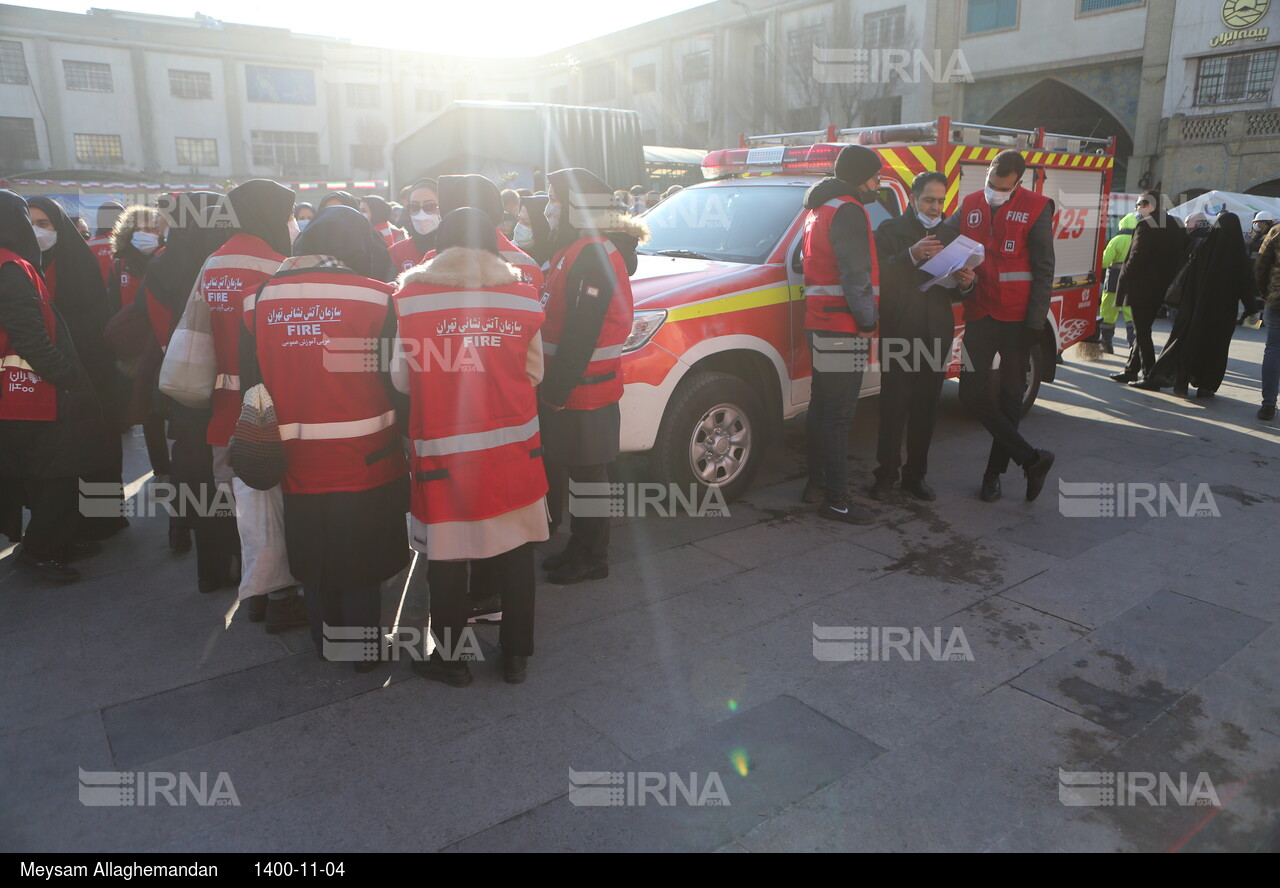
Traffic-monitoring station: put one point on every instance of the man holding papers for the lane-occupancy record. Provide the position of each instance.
(917, 326)
(1005, 313)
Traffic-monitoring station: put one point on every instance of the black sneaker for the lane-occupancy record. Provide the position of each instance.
(847, 513)
(515, 669)
(577, 572)
(882, 490)
(1037, 472)
(1267, 412)
(990, 492)
(284, 614)
(45, 570)
(437, 668)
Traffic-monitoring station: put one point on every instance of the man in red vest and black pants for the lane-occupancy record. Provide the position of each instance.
(841, 288)
(1005, 313)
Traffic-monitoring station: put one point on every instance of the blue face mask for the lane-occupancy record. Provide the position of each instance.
(303, 223)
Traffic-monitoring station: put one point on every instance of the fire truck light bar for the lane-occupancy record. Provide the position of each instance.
(741, 161)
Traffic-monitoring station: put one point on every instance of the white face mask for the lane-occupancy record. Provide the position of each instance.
(997, 198)
(45, 237)
(927, 222)
(145, 242)
(523, 234)
(425, 223)
(552, 215)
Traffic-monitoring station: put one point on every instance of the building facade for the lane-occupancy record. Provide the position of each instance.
(1190, 98)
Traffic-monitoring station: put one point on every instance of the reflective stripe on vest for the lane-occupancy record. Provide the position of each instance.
(599, 354)
(825, 307)
(14, 361)
(1006, 275)
(1011, 276)
(477, 440)
(328, 431)
(456, 300)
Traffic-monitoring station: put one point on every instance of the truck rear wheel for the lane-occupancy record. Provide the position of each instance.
(711, 435)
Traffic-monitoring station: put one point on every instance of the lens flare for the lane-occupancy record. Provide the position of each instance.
(733, 705)
(738, 758)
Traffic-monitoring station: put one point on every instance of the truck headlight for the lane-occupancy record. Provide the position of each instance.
(643, 326)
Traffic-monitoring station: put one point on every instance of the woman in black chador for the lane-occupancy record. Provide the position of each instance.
(1220, 277)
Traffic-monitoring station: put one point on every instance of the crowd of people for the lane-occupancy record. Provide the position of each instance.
(502, 373)
(486, 373)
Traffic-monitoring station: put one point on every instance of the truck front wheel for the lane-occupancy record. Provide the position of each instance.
(711, 435)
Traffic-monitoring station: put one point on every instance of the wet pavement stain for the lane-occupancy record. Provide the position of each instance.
(1123, 666)
(956, 560)
(1117, 711)
(1240, 495)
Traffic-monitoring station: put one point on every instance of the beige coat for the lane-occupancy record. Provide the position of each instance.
(469, 540)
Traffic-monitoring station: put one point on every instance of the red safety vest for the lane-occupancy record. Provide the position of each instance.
(1004, 277)
(825, 306)
(404, 255)
(23, 394)
(602, 380)
(314, 328)
(477, 450)
(234, 271)
(389, 233)
(104, 253)
(529, 271)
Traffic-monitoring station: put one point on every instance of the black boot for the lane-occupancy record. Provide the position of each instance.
(990, 488)
(1108, 332)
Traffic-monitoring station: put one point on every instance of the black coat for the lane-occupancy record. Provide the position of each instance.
(1159, 249)
(905, 312)
(65, 447)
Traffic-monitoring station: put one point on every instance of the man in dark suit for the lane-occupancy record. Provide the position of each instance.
(1159, 249)
(916, 332)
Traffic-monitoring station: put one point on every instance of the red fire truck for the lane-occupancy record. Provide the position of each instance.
(717, 358)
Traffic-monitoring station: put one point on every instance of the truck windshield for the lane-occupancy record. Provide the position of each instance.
(727, 223)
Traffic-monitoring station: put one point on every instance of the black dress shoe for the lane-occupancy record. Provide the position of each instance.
(919, 490)
(437, 668)
(257, 605)
(577, 571)
(1147, 385)
(881, 490)
(1180, 391)
(515, 669)
(813, 494)
(1267, 412)
(1037, 471)
(1202, 393)
(990, 488)
(559, 560)
(46, 570)
(1124, 377)
(83, 549)
(284, 614)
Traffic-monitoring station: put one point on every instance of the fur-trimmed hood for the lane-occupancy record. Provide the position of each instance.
(127, 224)
(614, 220)
(463, 268)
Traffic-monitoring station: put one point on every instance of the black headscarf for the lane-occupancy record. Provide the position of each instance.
(587, 199)
(469, 228)
(106, 218)
(346, 198)
(346, 235)
(379, 209)
(423, 243)
(15, 228)
(536, 207)
(198, 226)
(261, 208)
(470, 191)
(80, 296)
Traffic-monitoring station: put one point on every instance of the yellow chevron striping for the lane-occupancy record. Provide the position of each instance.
(899, 166)
(953, 160)
(925, 157)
